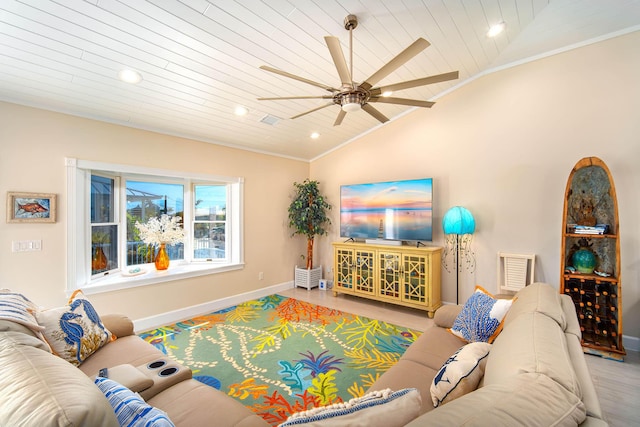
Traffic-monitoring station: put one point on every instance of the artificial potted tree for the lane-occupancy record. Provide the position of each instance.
(308, 216)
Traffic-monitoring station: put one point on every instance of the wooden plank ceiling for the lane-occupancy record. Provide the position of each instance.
(200, 59)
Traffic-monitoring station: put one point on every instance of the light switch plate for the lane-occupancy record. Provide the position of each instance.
(26, 245)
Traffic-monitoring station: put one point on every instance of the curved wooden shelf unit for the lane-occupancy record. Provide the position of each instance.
(590, 199)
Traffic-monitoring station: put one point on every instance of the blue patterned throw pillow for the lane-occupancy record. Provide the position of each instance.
(481, 317)
(75, 331)
(130, 409)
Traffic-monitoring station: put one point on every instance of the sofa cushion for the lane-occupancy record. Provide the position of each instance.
(9, 326)
(75, 331)
(383, 408)
(408, 374)
(531, 343)
(460, 374)
(481, 317)
(19, 309)
(533, 399)
(539, 297)
(191, 403)
(130, 409)
(40, 389)
(433, 347)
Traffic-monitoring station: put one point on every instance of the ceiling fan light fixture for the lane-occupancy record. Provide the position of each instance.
(351, 107)
(351, 102)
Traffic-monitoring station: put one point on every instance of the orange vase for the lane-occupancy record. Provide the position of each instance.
(162, 258)
(99, 260)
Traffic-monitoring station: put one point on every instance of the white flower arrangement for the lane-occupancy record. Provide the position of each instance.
(165, 230)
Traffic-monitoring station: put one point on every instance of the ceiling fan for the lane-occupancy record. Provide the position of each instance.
(352, 96)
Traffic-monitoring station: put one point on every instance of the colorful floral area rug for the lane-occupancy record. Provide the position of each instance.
(279, 355)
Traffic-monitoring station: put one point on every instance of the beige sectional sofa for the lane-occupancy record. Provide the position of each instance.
(38, 388)
(535, 373)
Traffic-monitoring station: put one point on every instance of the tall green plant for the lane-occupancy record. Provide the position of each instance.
(308, 214)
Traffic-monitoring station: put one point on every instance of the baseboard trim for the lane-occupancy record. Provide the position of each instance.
(631, 343)
(171, 317)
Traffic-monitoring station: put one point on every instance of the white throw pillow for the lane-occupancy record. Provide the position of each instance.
(460, 374)
(377, 408)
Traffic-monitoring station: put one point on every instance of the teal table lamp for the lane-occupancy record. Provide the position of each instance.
(459, 225)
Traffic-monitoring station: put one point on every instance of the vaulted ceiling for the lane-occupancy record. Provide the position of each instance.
(200, 59)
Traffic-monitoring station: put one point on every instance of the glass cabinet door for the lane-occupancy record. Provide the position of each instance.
(414, 275)
(364, 272)
(344, 268)
(389, 274)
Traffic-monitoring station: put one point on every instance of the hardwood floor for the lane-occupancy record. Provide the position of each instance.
(617, 383)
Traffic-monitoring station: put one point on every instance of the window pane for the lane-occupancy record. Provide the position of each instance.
(210, 202)
(209, 240)
(104, 248)
(102, 193)
(209, 228)
(147, 200)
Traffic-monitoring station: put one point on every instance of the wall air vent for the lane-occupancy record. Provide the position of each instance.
(270, 120)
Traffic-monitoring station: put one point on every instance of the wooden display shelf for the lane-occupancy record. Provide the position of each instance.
(590, 198)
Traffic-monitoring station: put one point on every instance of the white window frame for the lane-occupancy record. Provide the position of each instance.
(79, 238)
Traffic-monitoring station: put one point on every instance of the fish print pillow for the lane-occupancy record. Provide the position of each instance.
(460, 374)
(74, 332)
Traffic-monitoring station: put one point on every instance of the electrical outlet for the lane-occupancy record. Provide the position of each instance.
(261, 276)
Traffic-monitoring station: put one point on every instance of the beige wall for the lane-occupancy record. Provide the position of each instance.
(503, 146)
(33, 146)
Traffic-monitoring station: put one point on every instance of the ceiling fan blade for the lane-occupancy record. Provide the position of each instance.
(402, 101)
(375, 113)
(295, 97)
(311, 111)
(333, 43)
(415, 83)
(414, 49)
(300, 79)
(340, 117)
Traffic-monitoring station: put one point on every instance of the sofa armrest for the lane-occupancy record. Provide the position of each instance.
(446, 315)
(118, 324)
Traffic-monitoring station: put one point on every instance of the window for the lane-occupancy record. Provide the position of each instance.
(105, 201)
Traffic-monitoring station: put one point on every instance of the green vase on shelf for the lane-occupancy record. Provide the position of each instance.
(584, 261)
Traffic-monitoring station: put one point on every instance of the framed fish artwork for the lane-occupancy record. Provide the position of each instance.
(31, 207)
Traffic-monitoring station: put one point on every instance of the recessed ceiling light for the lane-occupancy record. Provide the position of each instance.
(315, 135)
(130, 76)
(387, 93)
(241, 111)
(496, 29)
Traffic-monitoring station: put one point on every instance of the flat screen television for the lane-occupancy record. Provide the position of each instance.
(393, 210)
